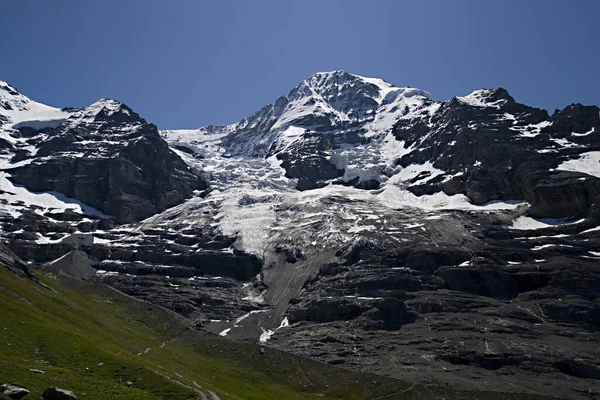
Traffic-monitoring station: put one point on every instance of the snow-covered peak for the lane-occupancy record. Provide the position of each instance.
(103, 110)
(328, 82)
(17, 110)
(7, 90)
(334, 103)
(493, 98)
(338, 85)
(106, 106)
(339, 97)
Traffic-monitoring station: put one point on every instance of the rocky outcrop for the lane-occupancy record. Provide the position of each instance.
(108, 157)
(310, 164)
(13, 392)
(499, 149)
(14, 264)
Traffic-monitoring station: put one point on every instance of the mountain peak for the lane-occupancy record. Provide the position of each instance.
(11, 99)
(6, 87)
(104, 110)
(19, 110)
(334, 84)
(487, 98)
(337, 72)
(107, 104)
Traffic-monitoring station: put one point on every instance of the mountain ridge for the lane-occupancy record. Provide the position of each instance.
(352, 222)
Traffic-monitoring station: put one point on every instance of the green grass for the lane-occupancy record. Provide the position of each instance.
(90, 345)
(92, 340)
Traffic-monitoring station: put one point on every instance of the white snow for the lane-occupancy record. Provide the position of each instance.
(26, 112)
(18, 198)
(250, 189)
(397, 105)
(90, 112)
(249, 222)
(102, 272)
(288, 136)
(528, 223)
(564, 143)
(395, 197)
(384, 87)
(362, 228)
(583, 134)
(98, 240)
(266, 334)
(412, 171)
(224, 332)
(543, 237)
(479, 98)
(544, 246)
(255, 297)
(243, 317)
(533, 130)
(596, 229)
(587, 163)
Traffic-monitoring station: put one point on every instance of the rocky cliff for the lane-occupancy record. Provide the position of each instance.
(104, 155)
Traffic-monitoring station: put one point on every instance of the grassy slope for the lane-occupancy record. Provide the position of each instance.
(88, 340)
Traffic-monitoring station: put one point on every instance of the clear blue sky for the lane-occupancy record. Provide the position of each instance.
(185, 64)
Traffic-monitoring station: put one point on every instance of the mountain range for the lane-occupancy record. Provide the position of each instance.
(358, 223)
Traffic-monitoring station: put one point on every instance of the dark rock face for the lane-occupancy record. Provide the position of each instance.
(497, 307)
(114, 161)
(14, 264)
(310, 162)
(574, 118)
(504, 151)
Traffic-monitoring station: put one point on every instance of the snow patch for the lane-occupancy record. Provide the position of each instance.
(19, 198)
(266, 334)
(479, 98)
(527, 223)
(587, 163)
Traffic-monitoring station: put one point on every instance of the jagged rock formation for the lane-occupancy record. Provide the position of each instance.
(352, 221)
(104, 155)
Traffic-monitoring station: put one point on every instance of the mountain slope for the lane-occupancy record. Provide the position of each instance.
(362, 225)
(102, 344)
(95, 346)
(346, 129)
(18, 111)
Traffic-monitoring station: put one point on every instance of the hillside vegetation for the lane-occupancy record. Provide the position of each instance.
(101, 344)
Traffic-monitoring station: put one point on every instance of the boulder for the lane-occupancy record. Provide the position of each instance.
(58, 394)
(13, 392)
